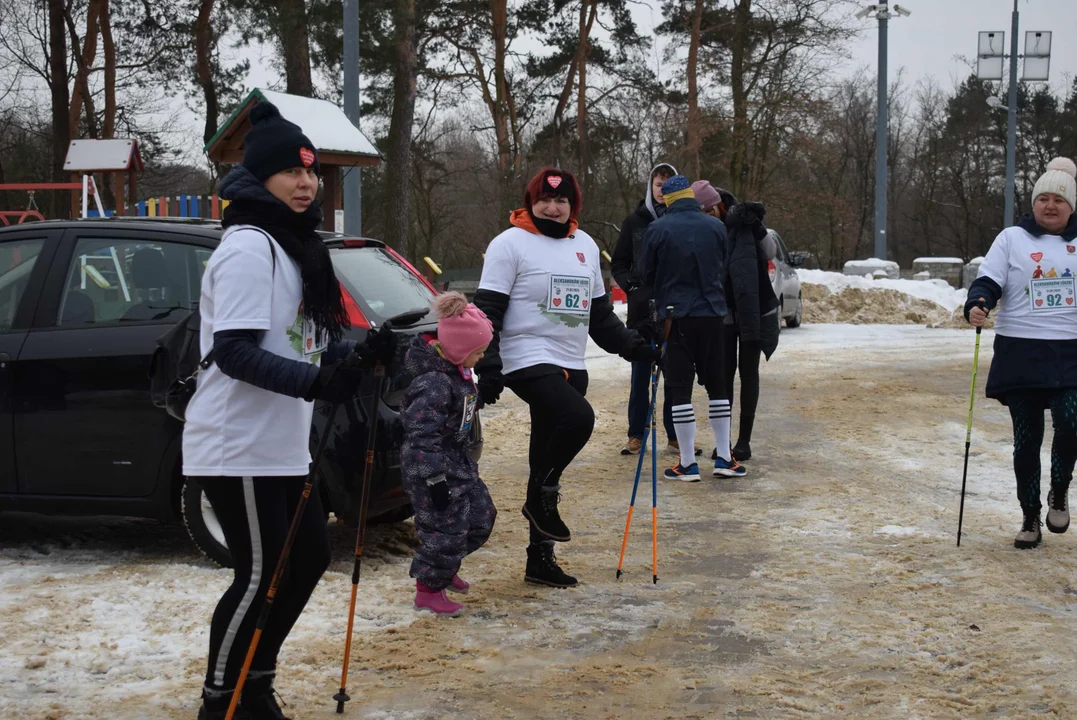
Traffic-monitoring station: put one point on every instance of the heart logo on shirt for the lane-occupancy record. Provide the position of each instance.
(582, 258)
(1039, 303)
(585, 304)
(1069, 301)
(554, 181)
(1071, 249)
(1036, 257)
(310, 343)
(557, 302)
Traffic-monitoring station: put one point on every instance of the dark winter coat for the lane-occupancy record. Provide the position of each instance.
(439, 410)
(1024, 363)
(749, 293)
(684, 258)
(625, 264)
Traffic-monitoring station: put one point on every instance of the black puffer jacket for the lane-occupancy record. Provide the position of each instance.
(625, 264)
(749, 294)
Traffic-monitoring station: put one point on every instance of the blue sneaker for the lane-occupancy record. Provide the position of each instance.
(679, 472)
(729, 468)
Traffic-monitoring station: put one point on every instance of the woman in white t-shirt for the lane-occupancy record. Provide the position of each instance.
(273, 317)
(1030, 273)
(542, 289)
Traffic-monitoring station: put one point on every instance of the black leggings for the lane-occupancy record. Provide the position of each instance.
(747, 362)
(561, 423)
(254, 514)
(1026, 411)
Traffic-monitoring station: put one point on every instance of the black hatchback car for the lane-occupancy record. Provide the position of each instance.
(82, 303)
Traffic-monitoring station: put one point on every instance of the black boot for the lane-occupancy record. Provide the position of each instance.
(215, 706)
(257, 699)
(541, 510)
(742, 451)
(542, 567)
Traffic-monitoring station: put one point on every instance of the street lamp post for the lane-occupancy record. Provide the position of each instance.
(882, 12)
(353, 207)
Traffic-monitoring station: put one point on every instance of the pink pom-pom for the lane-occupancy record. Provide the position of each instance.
(450, 304)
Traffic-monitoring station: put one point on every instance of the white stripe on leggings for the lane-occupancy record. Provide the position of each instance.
(252, 588)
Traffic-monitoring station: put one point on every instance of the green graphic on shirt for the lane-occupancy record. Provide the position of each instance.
(297, 338)
(562, 318)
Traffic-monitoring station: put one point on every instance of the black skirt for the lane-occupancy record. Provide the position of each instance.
(1025, 364)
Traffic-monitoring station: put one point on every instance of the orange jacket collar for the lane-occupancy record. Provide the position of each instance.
(522, 219)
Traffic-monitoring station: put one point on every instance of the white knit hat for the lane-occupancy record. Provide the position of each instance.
(1060, 179)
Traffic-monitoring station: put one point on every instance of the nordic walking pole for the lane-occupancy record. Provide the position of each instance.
(968, 428)
(282, 561)
(654, 446)
(368, 470)
(635, 485)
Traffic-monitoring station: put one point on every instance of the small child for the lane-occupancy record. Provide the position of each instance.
(454, 513)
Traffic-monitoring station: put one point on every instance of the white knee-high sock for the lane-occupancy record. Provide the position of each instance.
(684, 423)
(719, 414)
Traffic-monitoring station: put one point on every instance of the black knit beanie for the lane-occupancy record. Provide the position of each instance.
(274, 144)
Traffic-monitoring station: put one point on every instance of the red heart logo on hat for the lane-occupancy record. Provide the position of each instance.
(306, 156)
(554, 181)
(1039, 302)
(1036, 257)
(556, 302)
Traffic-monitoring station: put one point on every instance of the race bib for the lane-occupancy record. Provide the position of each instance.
(314, 343)
(569, 295)
(471, 403)
(1052, 294)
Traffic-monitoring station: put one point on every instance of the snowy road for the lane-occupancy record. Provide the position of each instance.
(825, 584)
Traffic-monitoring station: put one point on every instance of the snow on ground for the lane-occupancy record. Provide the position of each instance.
(825, 584)
(935, 290)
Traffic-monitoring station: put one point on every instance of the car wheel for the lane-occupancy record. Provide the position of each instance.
(202, 524)
(396, 515)
(794, 321)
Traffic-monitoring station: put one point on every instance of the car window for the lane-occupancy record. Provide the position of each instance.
(131, 280)
(17, 259)
(783, 254)
(381, 285)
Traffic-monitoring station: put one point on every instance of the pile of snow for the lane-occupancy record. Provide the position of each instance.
(938, 261)
(936, 291)
(872, 266)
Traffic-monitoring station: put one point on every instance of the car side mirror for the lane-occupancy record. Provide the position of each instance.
(796, 259)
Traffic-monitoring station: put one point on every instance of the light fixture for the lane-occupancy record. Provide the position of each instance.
(902, 11)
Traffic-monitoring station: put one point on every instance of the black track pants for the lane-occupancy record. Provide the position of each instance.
(255, 514)
(743, 357)
(695, 348)
(1026, 412)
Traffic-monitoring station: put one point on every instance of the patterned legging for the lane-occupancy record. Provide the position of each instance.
(1026, 411)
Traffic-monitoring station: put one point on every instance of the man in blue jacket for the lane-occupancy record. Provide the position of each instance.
(684, 257)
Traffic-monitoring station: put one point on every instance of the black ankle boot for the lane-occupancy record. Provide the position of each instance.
(541, 510)
(257, 699)
(542, 567)
(215, 706)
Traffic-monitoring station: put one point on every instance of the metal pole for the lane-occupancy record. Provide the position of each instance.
(352, 181)
(881, 140)
(1011, 132)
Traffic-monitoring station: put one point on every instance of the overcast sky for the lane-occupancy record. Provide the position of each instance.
(939, 39)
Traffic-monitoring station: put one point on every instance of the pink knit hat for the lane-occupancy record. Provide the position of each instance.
(462, 327)
(707, 196)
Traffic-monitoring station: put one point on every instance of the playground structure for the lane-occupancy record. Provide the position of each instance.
(120, 160)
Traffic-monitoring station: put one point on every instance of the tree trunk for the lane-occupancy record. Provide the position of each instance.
(294, 34)
(587, 21)
(695, 118)
(203, 66)
(84, 61)
(742, 15)
(399, 160)
(109, 48)
(61, 128)
(500, 16)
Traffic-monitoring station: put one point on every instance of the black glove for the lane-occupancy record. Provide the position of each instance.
(439, 492)
(336, 383)
(378, 348)
(642, 351)
(491, 383)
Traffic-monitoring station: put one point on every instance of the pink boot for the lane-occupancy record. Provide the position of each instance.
(458, 585)
(435, 601)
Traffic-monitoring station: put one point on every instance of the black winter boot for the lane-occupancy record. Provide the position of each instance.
(257, 698)
(541, 510)
(542, 567)
(1031, 535)
(215, 706)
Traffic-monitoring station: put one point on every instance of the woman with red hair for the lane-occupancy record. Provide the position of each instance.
(542, 289)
